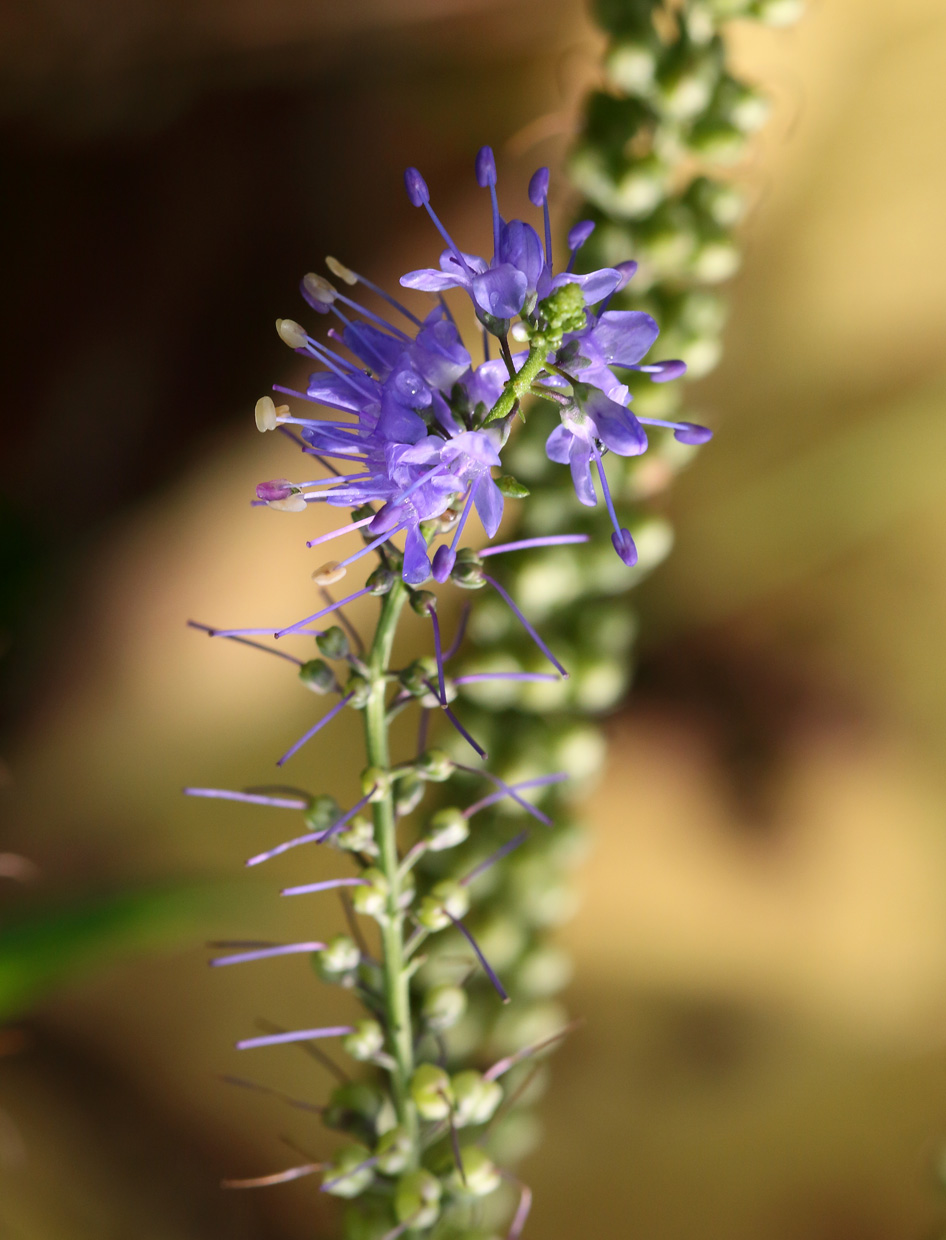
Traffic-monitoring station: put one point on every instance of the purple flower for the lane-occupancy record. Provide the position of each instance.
(593, 417)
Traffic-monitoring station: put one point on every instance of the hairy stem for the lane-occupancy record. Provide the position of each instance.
(396, 980)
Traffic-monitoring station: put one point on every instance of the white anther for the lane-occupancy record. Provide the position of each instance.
(319, 289)
(265, 414)
(292, 503)
(291, 333)
(329, 573)
(340, 270)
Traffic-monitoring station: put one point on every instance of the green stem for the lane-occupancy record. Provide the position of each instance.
(518, 386)
(396, 980)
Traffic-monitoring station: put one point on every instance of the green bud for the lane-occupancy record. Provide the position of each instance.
(435, 765)
(317, 676)
(346, 1168)
(563, 311)
(475, 1099)
(340, 956)
(357, 837)
(365, 1042)
(408, 794)
(443, 1006)
(423, 602)
(333, 643)
(360, 690)
(371, 900)
(511, 487)
(446, 829)
(467, 575)
(480, 1176)
(417, 1199)
(414, 678)
(446, 900)
(375, 783)
(380, 581)
(394, 1151)
(431, 1091)
(323, 811)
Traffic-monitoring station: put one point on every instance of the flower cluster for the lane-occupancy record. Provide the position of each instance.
(424, 426)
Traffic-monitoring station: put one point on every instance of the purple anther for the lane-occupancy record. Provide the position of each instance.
(623, 544)
(500, 989)
(279, 488)
(689, 432)
(296, 1035)
(580, 233)
(539, 187)
(416, 187)
(627, 271)
(663, 372)
(485, 167)
(444, 559)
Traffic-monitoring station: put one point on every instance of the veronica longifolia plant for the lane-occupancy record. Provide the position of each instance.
(408, 434)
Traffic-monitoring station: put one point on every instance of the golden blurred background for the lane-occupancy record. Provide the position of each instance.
(760, 950)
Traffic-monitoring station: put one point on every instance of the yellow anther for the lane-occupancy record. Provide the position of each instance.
(291, 333)
(340, 270)
(265, 414)
(292, 503)
(329, 573)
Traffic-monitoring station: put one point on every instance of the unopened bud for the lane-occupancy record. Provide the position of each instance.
(443, 1006)
(434, 765)
(291, 333)
(394, 1151)
(333, 643)
(447, 902)
(511, 487)
(380, 581)
(431, 1091)
(408, 795)
(365, 1042)
(375, 782)
(340, 955)
(480, 1176)
(265, 414)
(357, 837)
(447, 829)
(423, 602)
(475, 1098)
(330, 572)
(340, 270)
(371, 899)
(417, 1199)
(345, 1175)
(359, 689)
(317, 676)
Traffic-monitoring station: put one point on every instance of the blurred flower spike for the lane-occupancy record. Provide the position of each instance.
(421, 427)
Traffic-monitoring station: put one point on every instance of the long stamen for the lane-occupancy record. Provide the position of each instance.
(476, 678)
(438, 653)
(464, 733)
(539, 197)
(522, 544)
(577, 238)
(266, 953)
(313, 401)
(206, 628)
(354, 277)
(278, 1177)
(684, 432)
(459, 635)
(346, 529)
(311, 837)
(501, 1066)
(605, 488)
(508, 790)
(383, 538)
(503, 594)
(298, 1103)
(486, 176)
(330, 1184)
(296, 1035)
(250, 798)
(419, 195)
(541, 781)
(500, 989)
(621, 539)
(498, 855)
(326, 718)
(328, 884)
(300, 624)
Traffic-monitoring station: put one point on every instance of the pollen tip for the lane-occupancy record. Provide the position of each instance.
(318, 292)
(291, 333)
(340, 271)
(292, 503)
(416, 187)
(329, 573)
(265, 413)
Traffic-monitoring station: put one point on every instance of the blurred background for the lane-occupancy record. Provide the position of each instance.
(761, 946)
